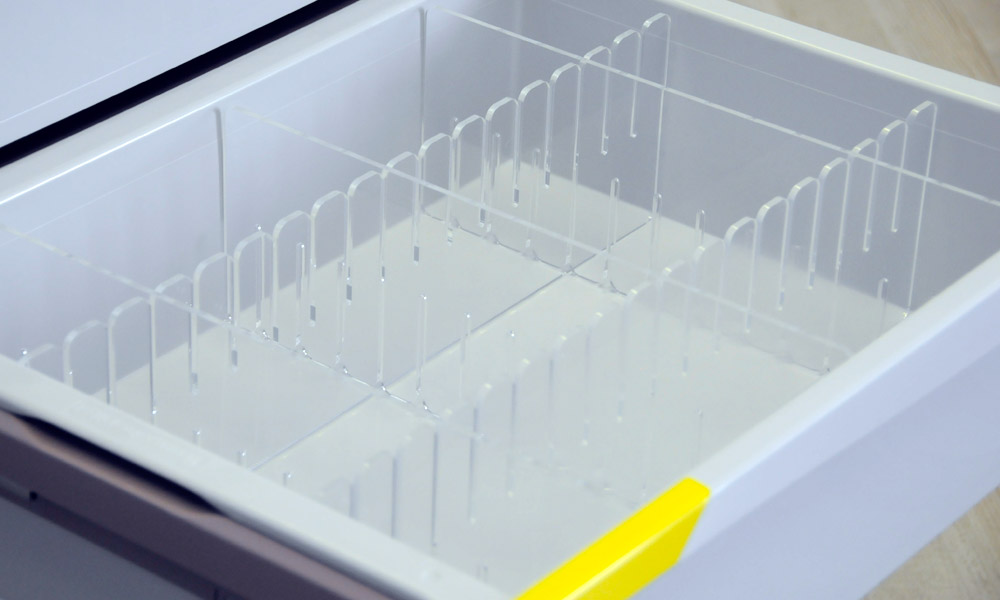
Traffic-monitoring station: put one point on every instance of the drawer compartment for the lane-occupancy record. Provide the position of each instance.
(470, 284)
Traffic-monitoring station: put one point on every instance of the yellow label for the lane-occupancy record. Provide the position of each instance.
(632, 554)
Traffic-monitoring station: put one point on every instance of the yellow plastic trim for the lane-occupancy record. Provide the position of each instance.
(632, 554)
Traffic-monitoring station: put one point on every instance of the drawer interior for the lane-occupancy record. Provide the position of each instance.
(489, 276)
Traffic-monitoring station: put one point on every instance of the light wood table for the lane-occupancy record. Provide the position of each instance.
(961, 36)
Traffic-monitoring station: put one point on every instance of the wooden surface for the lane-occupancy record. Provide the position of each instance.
(963, 562)
(961, 36)
(958, 35)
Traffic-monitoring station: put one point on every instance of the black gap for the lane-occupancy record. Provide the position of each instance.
(169, 79)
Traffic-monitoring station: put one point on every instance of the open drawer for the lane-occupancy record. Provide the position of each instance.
(533, 298)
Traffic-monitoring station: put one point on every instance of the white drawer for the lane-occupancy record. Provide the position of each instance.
(441, 294)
